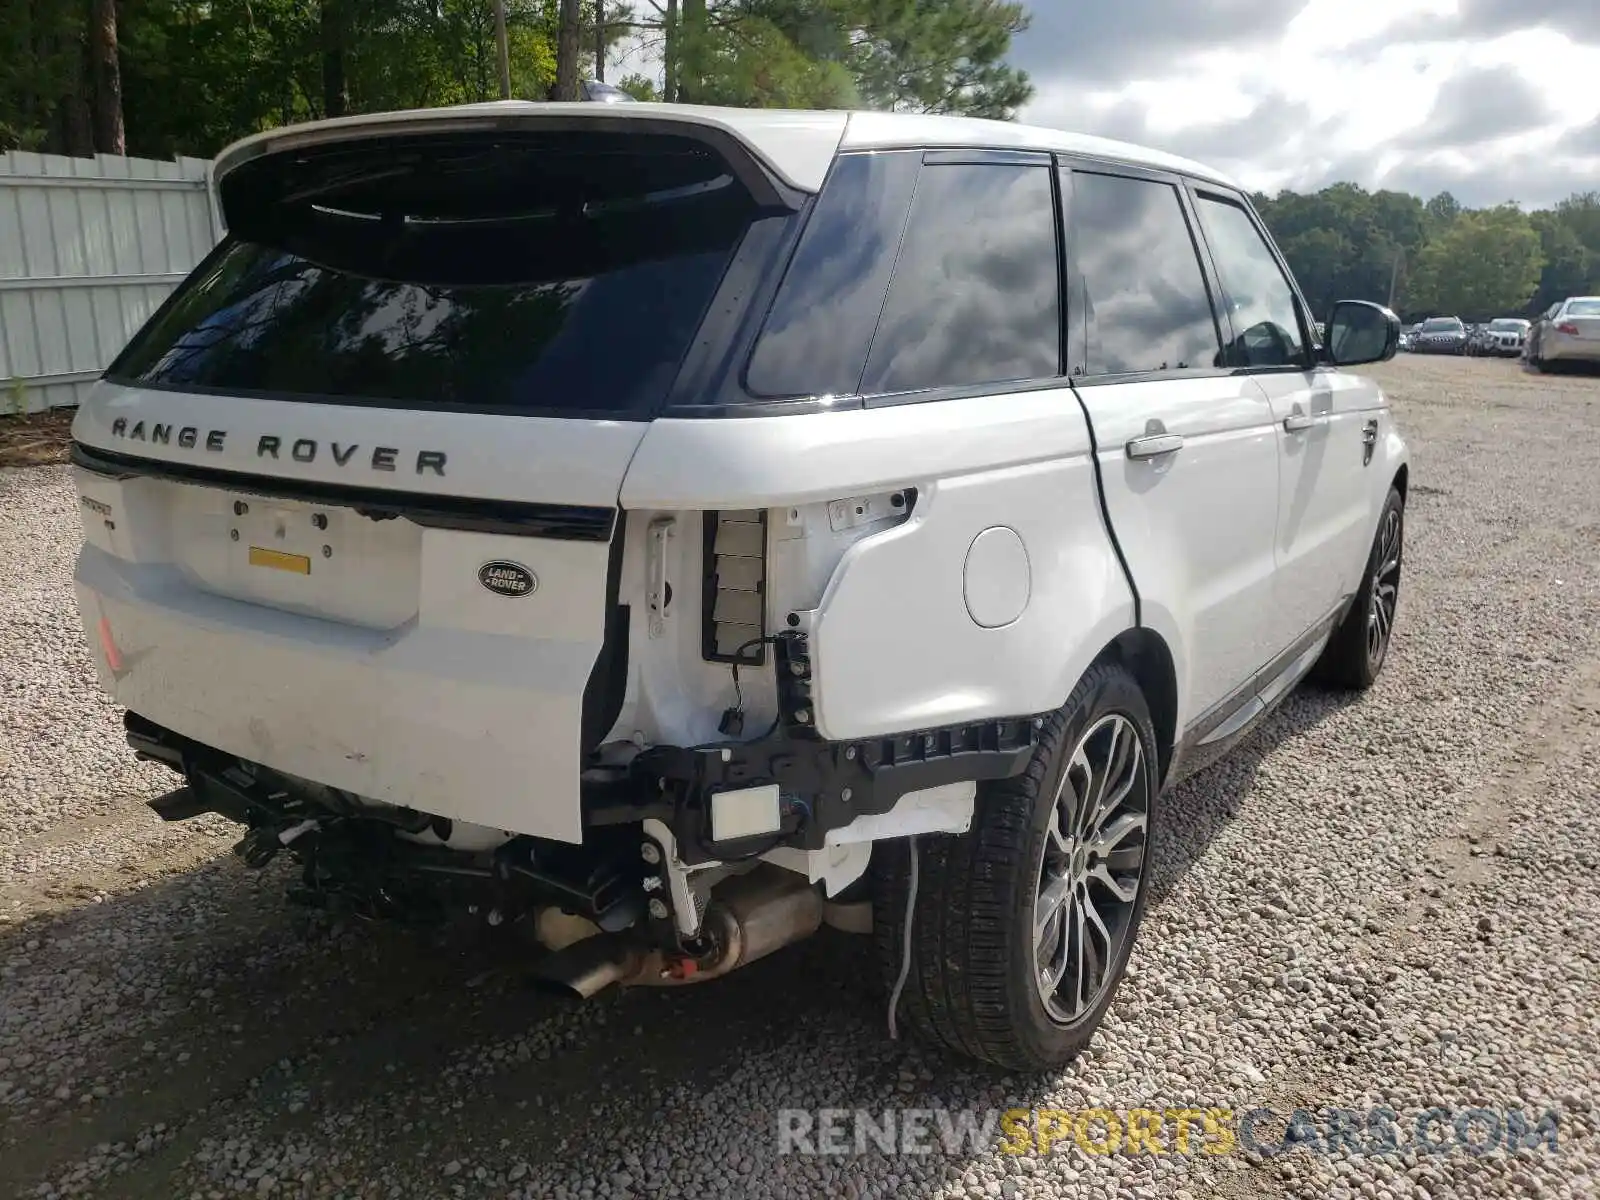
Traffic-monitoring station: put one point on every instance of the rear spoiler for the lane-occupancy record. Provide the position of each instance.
(780, 156)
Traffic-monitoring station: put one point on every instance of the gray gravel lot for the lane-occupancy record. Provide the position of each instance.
(1384, 901)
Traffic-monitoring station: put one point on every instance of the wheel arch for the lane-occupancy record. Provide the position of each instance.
(1146, 656)
(1402, 478)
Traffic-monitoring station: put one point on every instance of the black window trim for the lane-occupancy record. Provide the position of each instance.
(1312, 355)
(1072, 165)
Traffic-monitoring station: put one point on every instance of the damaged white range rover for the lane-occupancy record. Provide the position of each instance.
(676, 527)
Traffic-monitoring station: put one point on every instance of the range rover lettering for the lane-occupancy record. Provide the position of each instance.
(676, 528)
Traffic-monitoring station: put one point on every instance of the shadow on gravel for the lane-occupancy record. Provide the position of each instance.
(205, 1006)
(208, 1006)
(1195, 812)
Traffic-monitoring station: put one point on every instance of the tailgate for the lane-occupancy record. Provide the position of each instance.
(418, 650)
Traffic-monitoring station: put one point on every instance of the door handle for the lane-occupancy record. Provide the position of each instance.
(1298, 420)
(1154, 445)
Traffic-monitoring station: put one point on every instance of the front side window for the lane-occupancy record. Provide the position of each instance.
(1143, 295)
(976, 295)
(1266, 321)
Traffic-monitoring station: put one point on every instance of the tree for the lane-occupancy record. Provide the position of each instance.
(1569, 267)
(910, 55)
(1485, 264)
(640, 87)
(1443, 209)
(568, 40)
(106, 79)
(933, 56)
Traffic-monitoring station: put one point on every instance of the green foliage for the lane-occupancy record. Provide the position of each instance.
(198, 74)
(640, 87)
(1485, 263)
(1345, 243)
(937, 56)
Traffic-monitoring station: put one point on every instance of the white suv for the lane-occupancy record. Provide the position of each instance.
(677, 527)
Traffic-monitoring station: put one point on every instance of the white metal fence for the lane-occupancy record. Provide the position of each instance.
(88, 248)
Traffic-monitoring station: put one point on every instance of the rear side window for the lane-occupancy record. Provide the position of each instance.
(816, 337)
(976, 294)
(557, 275)
(1266, 321)
(1145, 303)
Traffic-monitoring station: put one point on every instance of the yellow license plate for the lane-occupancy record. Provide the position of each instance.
(300, 564)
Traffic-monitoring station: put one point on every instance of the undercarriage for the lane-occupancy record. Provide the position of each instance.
(694, 860)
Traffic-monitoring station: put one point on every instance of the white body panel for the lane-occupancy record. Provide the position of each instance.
(1326, 509)
(385, 669)
(470, 711)
(895, 646)
(1196, 526)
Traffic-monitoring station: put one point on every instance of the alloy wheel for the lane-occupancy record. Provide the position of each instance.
(1385, 588)
(1091, 868)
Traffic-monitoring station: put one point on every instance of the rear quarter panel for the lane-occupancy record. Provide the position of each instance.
(895, 642)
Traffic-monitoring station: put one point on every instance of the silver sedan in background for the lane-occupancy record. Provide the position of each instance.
(1568, 332)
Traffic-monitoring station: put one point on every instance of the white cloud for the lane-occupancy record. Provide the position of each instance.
(1340, 89)
(1351, 89)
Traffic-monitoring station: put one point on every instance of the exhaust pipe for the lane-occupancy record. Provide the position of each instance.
(589, 966)
(750, 917)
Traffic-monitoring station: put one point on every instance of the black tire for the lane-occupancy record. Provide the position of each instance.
(973, 985)
(1355, 654)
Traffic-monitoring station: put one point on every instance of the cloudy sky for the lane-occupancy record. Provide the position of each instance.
(1494, 100)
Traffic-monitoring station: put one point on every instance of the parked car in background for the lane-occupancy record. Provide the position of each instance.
(1503, 337)
(1442, 335)
(1568, 332)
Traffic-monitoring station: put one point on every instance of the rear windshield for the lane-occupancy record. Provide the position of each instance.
(1584, 308)
(546, 276)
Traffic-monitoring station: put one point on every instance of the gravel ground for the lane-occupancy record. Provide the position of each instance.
(1386, 901)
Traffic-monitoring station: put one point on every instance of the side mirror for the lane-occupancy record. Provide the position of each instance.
(1360, 331)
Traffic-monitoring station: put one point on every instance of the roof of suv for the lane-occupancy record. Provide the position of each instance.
(796, 145)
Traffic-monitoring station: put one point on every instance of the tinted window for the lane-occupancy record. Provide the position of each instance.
(1266, 321)
(976, 296)
(815, 339)
(1144, 297)
(448, 284)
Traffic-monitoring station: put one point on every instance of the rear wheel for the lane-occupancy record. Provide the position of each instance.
(1022, 927)
(1356, 652)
